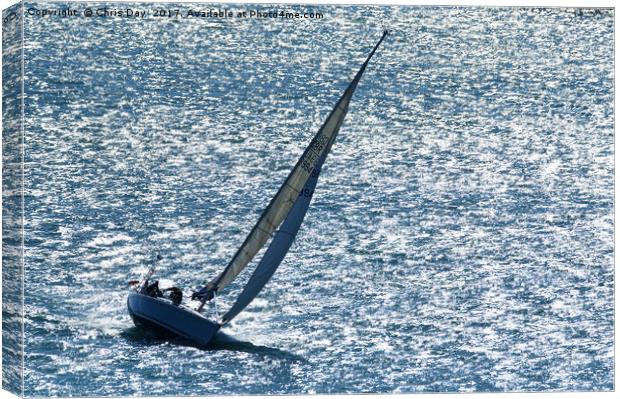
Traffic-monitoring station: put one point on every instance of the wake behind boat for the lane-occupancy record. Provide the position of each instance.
(163, 311)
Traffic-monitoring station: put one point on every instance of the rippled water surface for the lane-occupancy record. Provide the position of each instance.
(460, 238)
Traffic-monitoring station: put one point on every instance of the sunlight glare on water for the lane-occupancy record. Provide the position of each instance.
(460, 237)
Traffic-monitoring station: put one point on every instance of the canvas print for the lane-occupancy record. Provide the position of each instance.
(229, 199)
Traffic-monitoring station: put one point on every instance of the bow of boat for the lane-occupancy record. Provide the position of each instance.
(164, 318)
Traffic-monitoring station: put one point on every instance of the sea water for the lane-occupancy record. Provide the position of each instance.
(460, 237)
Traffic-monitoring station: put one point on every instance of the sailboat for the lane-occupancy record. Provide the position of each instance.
(280, 221)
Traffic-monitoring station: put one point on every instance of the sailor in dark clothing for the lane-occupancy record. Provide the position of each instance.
(206, 293)
(144, 287)
(176, 295)
(152, 290)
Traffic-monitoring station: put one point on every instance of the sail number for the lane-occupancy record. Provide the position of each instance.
(315, 150)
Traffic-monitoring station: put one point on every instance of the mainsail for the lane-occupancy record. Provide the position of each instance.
(282, 241)
(288, 197)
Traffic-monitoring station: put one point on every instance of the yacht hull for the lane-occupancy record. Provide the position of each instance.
(167, 320)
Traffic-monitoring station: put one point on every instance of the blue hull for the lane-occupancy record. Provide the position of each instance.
(162, 317)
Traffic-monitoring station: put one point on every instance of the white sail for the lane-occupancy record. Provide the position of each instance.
(281, 204)
(279, 246)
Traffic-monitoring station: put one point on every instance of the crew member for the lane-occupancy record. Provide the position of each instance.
(176, 295)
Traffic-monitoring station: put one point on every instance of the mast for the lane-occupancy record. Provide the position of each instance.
(288, 194)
